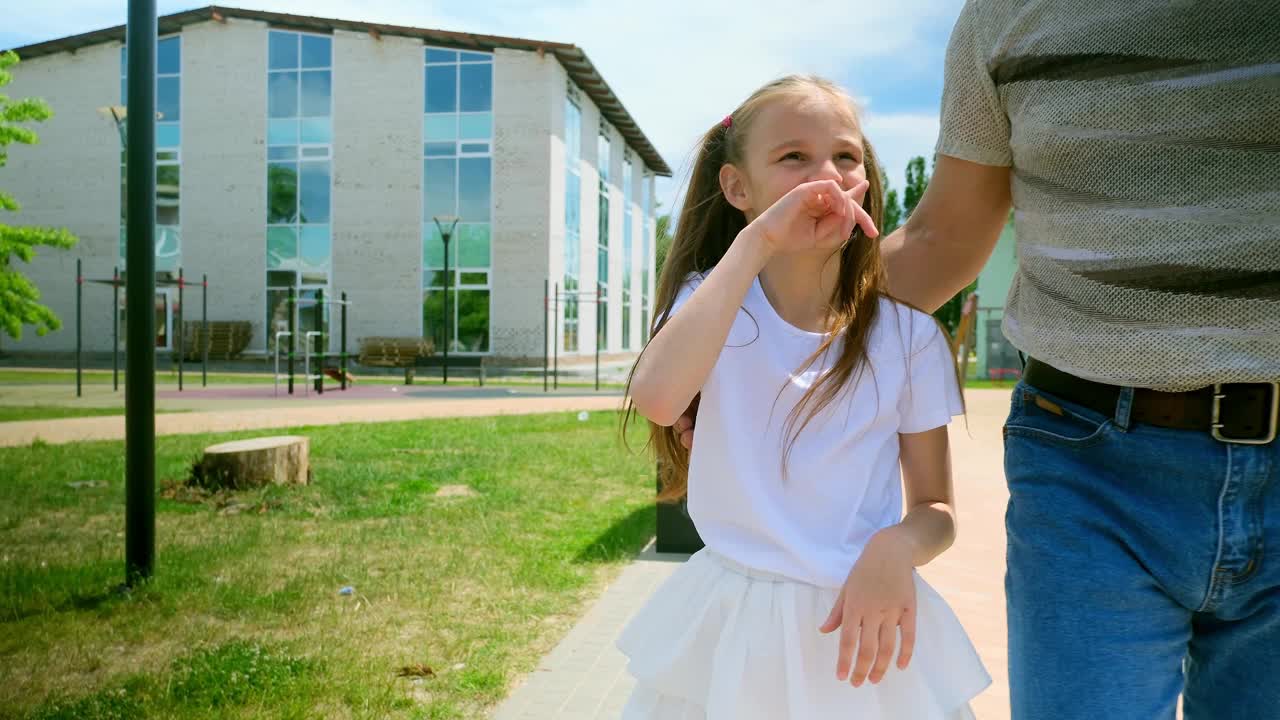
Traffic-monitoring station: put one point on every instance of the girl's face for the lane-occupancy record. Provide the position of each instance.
(794, 140)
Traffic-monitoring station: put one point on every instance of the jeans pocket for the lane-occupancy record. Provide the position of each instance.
(1037, 415)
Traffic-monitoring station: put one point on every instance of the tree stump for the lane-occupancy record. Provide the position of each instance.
(243, 464)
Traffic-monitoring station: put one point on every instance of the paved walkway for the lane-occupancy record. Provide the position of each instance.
(227, 408)
(584, 677)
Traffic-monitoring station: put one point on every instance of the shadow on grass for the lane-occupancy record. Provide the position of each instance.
(623, 539)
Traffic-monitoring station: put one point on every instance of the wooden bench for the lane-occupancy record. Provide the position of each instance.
(411, 353)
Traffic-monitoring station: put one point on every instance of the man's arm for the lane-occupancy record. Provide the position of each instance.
(950, 235)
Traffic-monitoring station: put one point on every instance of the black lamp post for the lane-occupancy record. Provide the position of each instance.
(452, 222)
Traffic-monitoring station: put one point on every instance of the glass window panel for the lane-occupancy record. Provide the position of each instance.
(473, 278)
(476, 57)
(316, 51)
(318, 277)
(313, 192)
(433, 279)
(314, 247)
(439, 128)
(435, 56)
(439, 149)
(124, 61)
(310, 317)
(315, 152)
(281, 278)
(442, 88)
(477, 88)
(473, 245)
(475, 147)
(283, 51)
(433, 248)
(168, 90)
(573, 202)
(439, 196)
(282, 132)
(282, 248)
(475, 127)
(433, 317)
(277, 317)
(282, 192)
(282, 94)
(124, 91)
(572, 133)
(473, 189)
(316, 92)
(166, 156)
(168, 185)
(168, 248)
(169, 56)
(602, 158)
(289, 152)
(168, 135)
(473, 321)
(317, 130)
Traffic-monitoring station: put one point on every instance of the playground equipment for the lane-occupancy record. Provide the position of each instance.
(551, 297)
(116, 283)
(318, 333)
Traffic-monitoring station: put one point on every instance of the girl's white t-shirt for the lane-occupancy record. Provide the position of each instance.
(843, 481)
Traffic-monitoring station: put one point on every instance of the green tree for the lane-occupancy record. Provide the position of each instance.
(892, 211)
(917, 181)
(19, 298)
(662, 242)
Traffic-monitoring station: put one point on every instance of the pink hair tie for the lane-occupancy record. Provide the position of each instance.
(728, 121)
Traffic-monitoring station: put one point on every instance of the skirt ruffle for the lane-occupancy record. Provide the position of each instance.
(719, 641)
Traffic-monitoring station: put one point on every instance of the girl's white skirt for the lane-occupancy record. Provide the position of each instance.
(719, 641)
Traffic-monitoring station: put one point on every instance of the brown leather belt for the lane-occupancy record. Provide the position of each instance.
(1245, 413)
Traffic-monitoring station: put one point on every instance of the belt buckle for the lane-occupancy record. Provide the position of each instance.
(1269, 433)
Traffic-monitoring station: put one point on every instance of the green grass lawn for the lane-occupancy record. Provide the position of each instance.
(244, 617)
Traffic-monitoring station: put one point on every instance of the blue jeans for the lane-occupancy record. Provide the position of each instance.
(1142, 562)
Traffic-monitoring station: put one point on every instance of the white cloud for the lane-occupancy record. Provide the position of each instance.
(677, 65)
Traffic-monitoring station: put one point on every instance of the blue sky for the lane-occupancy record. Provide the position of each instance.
(677, 65)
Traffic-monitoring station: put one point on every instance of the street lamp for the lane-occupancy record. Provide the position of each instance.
(452, 222)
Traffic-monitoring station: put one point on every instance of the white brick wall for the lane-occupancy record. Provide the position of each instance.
(528, 188)
(377, 184)
(224, 169)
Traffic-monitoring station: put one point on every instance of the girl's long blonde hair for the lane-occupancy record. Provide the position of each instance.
(707, 227)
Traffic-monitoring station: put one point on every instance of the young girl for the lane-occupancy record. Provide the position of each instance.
(815, 387)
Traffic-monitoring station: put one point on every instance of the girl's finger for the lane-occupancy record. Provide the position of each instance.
(884, 653)
(908, 624)
(833, 617)
(866, 649)
(864, 221)
(858, 192)
(848, 644)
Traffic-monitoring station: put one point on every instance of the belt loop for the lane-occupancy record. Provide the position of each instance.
(1124, 406)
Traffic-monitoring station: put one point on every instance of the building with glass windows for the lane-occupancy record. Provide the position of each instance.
(315, 154)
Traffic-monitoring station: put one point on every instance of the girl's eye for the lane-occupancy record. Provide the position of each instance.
(793, 155)
(847, 156)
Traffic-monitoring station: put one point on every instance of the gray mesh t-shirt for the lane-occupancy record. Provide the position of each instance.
(1144, 141)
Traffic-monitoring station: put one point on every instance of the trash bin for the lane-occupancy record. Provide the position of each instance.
(676, 533)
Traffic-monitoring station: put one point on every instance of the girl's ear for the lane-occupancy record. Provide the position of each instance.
(733, 183)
